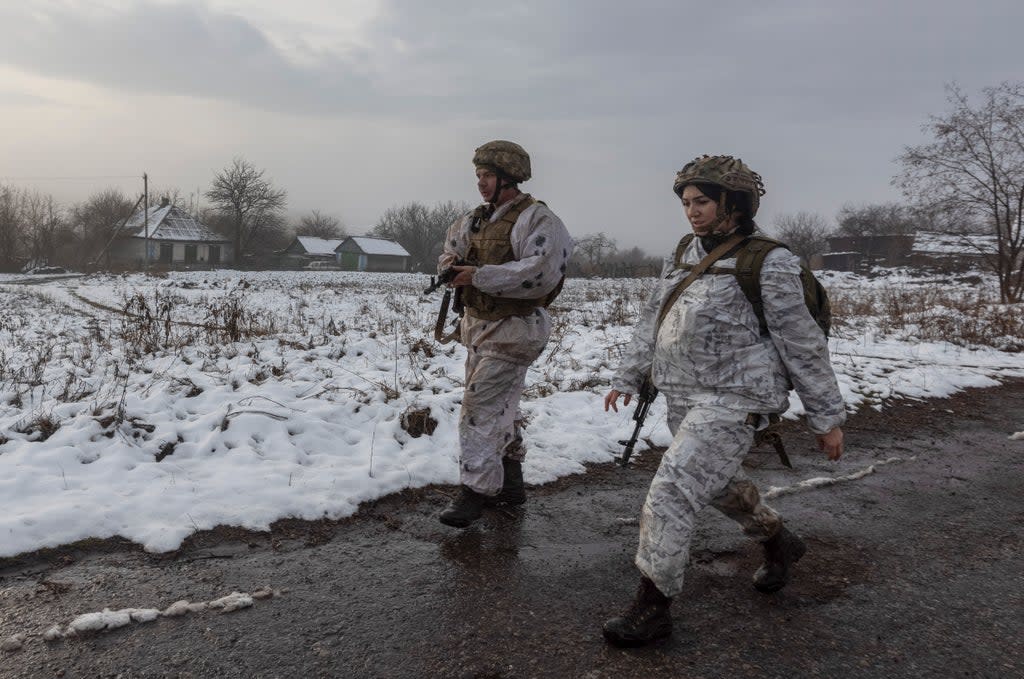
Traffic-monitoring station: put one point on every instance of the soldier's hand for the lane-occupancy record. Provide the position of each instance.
(832, 443)
(464, 277)
(611, 400)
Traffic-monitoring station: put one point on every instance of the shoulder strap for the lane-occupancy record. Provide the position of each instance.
(483, 212)
(749, 261)
(701, 267)
(519, 208)
(684, 242)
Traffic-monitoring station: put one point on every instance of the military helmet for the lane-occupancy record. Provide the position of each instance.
(508, 158)
(725, 171)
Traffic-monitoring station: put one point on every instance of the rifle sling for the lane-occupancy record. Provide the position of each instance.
(770, 435)
(442, 316)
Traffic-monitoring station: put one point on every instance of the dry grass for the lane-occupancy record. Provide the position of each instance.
(969, 319)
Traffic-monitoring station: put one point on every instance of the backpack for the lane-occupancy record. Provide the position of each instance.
(750, 259)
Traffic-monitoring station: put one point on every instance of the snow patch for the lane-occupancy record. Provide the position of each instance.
(105, 620)
(820, 481)
(13, 643)
(231, 602)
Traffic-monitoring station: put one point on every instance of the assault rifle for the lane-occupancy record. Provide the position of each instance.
(648, 392)
(444, 278)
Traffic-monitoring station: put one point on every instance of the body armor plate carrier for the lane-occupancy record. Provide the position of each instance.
(491, 243)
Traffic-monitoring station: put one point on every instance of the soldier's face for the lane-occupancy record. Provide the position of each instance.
(700, 210)
(486, 181)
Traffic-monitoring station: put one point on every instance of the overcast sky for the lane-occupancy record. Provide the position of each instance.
(354, 106)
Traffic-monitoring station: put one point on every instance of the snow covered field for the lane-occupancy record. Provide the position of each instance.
(241, 398)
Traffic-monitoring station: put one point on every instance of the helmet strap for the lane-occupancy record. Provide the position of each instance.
(503, 183)
(722, 214)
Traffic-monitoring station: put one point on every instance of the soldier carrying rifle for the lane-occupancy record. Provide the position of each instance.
(515, 251)
(724, 335)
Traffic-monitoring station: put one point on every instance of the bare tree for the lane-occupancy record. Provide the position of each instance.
(171, 194)
(631, 263)
(250, 202)
(974, 167)
(420, 230)
(320, 226)
(11, 229)
(591, 252)
(806, 233)
(45, 228)
(879, 219)
(93, 221)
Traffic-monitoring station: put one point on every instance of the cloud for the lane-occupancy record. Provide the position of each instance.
(355, 105)
(577, 59)
(185, 50)
(20, 98)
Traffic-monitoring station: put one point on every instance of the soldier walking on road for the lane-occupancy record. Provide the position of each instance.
(725, 360)
(510, 254)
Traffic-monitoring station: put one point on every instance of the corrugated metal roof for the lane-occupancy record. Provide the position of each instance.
(319, 246)
(378, 246)
(171, 223)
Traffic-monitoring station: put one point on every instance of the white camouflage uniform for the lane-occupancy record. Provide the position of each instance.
(500, 352)
(715, 369)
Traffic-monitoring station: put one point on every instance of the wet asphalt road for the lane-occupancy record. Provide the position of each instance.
(914, 571)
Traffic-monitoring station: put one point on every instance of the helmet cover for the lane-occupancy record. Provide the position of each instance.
(505, 157)
(730, 173)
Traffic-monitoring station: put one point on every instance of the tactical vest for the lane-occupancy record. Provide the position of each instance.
(491, 243)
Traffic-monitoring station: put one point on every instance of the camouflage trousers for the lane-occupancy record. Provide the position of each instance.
(701, 467)
(498, 354)
(487, 423)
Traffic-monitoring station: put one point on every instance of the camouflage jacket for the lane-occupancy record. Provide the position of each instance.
(709, 349)
(541, 246)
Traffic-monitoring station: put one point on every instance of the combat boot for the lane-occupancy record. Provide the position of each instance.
(465, 509)
(647, 620)
(781, 551)
(513, 492)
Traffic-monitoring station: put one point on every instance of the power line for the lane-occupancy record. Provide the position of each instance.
(105, 176)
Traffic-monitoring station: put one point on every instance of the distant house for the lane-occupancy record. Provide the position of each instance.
(837, 261)
(921, 250)
(855, 253)
(176, 241)
(363, 253)
(306, 249)
(952, 251)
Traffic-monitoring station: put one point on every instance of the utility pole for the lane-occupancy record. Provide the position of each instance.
(145, 211)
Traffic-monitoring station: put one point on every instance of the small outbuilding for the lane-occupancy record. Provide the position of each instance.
(856, 253)
(837, 261)
(176, 240)
(307, 249)
(952, 252)
(364, 253)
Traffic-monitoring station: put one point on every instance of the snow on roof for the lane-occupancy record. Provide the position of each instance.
(319, 246)
(378, 246)
(931, 243)
(170, 223)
